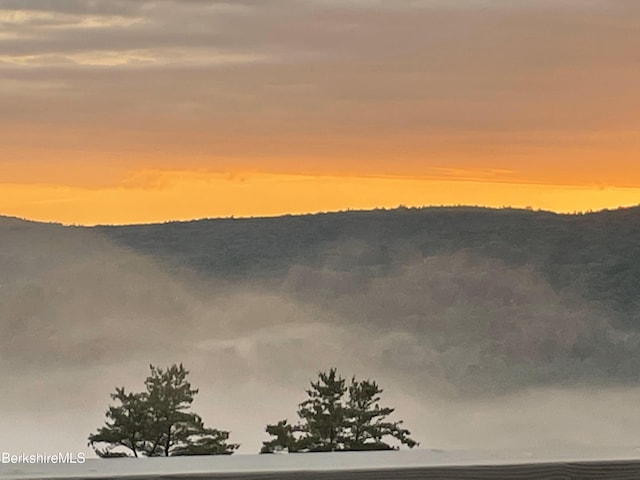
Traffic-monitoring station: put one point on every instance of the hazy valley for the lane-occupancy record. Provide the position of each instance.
(487, 328)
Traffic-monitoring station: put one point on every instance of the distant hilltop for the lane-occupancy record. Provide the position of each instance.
(626, 211)
(478, 299)
(596, 255)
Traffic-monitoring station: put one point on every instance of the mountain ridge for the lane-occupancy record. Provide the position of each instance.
(627, 210)
(596, 255)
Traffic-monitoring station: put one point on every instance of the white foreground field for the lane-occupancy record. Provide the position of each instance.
(420, 464)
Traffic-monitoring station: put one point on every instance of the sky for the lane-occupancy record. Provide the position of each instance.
(121, 111)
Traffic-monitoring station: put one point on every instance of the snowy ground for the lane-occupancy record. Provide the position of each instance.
(242, 466)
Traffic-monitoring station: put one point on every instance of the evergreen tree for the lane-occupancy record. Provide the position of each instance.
(126, 425)
(365, 419)
(329, 423)
(169, 397)
(158, 422)
(323, 414)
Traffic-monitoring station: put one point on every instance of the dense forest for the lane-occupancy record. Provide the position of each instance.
(452, 299)
(595, 255)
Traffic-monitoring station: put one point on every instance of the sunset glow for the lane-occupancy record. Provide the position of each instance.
(158, 196)
(127, 112)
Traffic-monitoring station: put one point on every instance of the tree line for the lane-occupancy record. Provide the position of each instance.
(157, 421)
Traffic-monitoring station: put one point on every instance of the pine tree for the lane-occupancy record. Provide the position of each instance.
(158, 421)
(329, 423)
(323, 414)
(126, 425)
(365, 419)
(169, 397)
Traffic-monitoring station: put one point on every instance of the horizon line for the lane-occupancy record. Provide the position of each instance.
(326, 212)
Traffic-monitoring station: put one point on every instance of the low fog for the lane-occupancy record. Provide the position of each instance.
(472, 353)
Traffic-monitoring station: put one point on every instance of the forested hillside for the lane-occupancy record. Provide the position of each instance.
(595, 255)
(458, 298)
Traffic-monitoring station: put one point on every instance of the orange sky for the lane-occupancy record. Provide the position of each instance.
(155, 110)
(155, 196)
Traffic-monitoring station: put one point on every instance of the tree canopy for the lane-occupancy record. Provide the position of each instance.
(330, 422)
(158, 421)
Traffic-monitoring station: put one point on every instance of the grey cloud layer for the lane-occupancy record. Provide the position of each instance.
(473, 31)
(321, 67)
